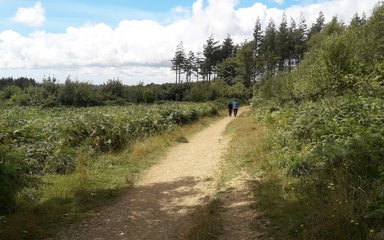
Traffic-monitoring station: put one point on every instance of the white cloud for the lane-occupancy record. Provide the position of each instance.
(141, 50)
(32, 16)
(180, 10)
(279, 1)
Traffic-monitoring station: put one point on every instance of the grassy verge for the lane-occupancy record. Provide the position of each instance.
(249, 151)
(245, 153)
(97, 181)
(207, 221)
(244, 149)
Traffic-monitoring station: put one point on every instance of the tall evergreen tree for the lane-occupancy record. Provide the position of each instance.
(178, 62)
(282, 42)
(334, 26)
(227, 48)
(301, 39)
(269, 48)
(318, 25)
(199, 66)
(190, 66)
(292, 42)
(357, 21)
(257, 37)
(297, 41)
(211, 56)
(245, 64)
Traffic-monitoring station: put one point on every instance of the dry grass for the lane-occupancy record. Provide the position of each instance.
(207, 222)
(245, 149)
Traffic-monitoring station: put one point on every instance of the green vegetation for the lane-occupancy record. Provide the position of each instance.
(324, 148)
(48, 94)
(67, 161)
(315, 141)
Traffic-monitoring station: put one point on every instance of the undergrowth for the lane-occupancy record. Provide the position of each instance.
(54, 201)
(325, 168)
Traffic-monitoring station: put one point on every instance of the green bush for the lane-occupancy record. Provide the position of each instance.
(201, 92)
(10, 181)
(79, 94)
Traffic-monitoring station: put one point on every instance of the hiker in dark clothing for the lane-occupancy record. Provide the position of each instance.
(230, 107)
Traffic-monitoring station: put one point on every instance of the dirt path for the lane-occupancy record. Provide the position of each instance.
(159, 206)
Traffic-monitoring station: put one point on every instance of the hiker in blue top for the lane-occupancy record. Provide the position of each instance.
(235, 107)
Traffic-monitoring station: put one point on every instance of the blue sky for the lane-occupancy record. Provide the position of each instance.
(61, 14)
(134, 40)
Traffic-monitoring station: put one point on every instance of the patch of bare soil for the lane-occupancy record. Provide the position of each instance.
(159, 206)
(237, 213)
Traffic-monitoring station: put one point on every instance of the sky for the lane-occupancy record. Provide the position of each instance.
(134, 40)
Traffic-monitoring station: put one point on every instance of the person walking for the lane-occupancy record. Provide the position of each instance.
(230, 107)
(235, 107)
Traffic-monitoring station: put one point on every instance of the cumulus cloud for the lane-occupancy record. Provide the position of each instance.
(141, 50)
(32, 16)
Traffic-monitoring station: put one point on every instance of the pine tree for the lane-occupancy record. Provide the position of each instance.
(211, 56)
(292, 42)
(269, 48)
(190, 66)
(301, 39)
(257, 38)
(199, 66)
(178, 62)
(357, 21)
(227, 48)
(318, 25)
(283, 43)
(245, 64)
(334, 26)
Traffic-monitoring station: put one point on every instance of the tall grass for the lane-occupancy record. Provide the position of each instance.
(325, 168)
(50, 201)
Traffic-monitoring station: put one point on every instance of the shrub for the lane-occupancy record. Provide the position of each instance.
(10, 181)
(78, 94)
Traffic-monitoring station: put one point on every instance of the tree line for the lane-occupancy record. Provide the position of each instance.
(275, 49)
(49, 93)
(234, 67)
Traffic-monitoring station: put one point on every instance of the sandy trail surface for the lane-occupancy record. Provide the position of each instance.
(159, 206)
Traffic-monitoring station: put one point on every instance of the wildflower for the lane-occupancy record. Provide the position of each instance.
(352, 221)
(371, 230)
